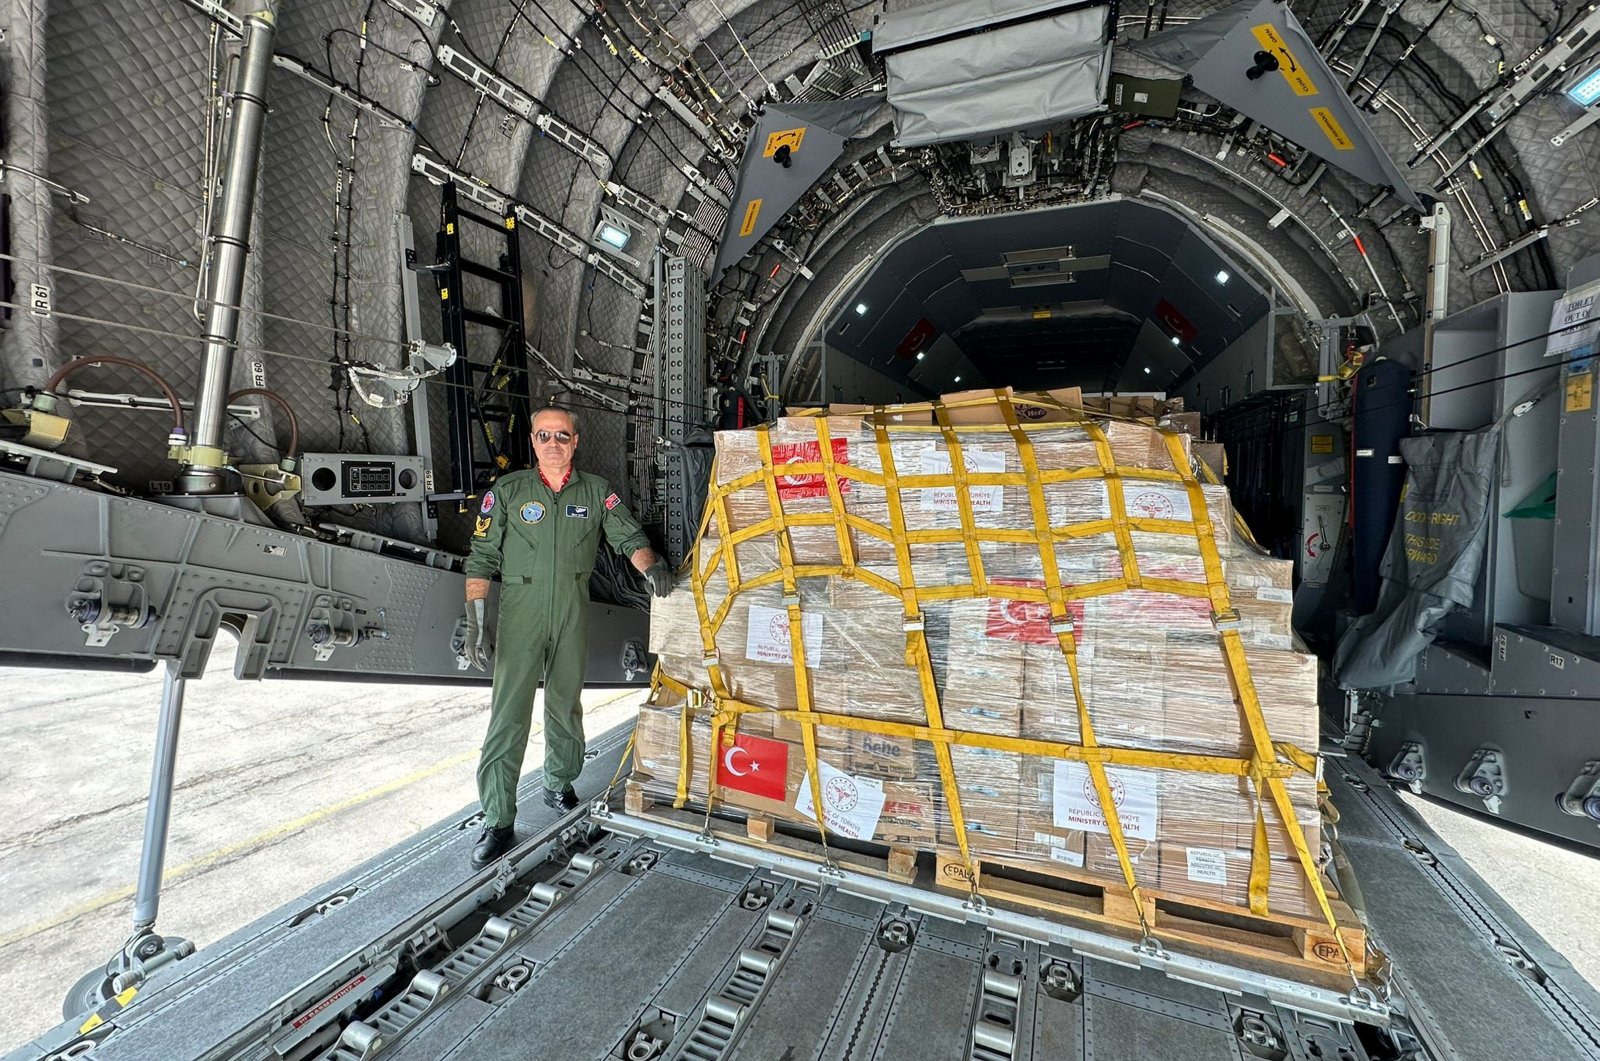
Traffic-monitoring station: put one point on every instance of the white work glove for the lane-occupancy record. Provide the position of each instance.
(659, 575)
(478, 649)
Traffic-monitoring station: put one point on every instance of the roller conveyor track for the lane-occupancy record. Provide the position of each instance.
(618, 944)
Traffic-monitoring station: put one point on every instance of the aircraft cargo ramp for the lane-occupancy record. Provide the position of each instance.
(622, 937)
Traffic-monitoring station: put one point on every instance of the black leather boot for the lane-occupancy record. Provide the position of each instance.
(492, 843)
(563, 800)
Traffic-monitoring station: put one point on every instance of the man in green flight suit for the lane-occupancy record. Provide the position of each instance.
(539, 530)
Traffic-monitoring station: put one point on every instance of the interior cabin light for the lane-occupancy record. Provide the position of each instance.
(1586, 91)
(614, 235)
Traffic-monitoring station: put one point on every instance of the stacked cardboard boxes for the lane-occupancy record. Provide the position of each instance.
(1150, 671)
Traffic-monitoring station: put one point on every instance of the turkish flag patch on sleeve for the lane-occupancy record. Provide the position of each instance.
(612, 501)
(755, 765)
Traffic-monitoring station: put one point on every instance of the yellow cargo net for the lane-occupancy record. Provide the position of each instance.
(1267, 765)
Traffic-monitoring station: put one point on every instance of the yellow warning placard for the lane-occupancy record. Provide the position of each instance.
(1271, 40)
(1580, 391)
(1321, 443)
(1332, 129)
(789, 138)
(751, 212)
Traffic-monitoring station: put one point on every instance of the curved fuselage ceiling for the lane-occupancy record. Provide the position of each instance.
(1081, 245)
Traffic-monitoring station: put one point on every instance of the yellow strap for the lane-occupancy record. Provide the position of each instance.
(1250, 706)
(916, 641)
(841, 529)
(1066, 636)
(791, 600)
(1142, 758)
(958, 475)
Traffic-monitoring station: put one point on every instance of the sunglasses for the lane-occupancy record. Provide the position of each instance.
(562, 437)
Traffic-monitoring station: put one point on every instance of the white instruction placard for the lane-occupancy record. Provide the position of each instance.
(984, 498)
(1075, 805)
(851, 805)
(767, 639)
(1208, 865)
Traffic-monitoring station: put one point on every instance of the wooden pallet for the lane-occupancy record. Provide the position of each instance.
(1287, 943)
(899, 864)
(1301, 939)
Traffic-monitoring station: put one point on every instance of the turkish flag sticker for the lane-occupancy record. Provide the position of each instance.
(1027, 621)
(755, 765)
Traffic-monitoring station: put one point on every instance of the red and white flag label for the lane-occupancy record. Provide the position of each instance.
(1027, 621)
(755, 765)
(811, 485)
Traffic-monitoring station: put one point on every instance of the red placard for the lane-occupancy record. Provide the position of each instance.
(792, 486)
(755, 765)
(1027, 621)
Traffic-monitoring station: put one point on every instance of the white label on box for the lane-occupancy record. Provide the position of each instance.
(984, 498)
(1275, 595)
(767, 639)
(1075, 804)
(1207, 865)
(1071, 858)
(1278, 641)
(851, 805)
(1156, 502)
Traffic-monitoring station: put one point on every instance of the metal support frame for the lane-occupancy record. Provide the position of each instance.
(683, 356)
(421, 426)
(145, 951)
(489, 400)
(230, 246)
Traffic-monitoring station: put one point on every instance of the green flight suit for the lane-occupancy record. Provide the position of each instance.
(542, 544)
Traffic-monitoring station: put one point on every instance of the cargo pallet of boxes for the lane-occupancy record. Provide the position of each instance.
(1020, 645)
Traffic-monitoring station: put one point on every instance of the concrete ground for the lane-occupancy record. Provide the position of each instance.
(280, 786)
(284, 785)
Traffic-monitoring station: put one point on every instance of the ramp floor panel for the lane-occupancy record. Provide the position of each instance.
(645, 932)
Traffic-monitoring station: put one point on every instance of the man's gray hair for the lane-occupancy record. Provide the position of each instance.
(564, 411)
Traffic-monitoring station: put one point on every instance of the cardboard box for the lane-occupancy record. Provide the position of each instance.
(1039, 840)
(1214, 456)
(909, 815)
(1223, 875)
(880, 756)
(1100, 859)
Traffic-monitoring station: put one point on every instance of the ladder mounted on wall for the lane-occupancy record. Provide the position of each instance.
(488, 393)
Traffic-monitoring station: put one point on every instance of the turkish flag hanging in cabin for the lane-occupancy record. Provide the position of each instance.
(920, 335)
(755, 765)
(1175, 322)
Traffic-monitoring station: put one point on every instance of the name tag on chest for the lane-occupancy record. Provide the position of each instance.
(578, 511)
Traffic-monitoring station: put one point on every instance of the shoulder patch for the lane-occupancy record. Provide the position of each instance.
(480, 527)
(612, 501)
(488, 503)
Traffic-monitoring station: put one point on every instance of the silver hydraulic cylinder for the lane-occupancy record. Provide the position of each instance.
(229, 239)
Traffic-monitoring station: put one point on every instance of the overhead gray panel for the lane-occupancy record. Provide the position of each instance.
(814, 135)
(1300, 99)
(959, 69)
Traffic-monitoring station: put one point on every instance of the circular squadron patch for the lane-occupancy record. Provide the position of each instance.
(533, 512)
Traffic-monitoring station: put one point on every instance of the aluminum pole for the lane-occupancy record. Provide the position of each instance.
(229, 241)
(158, 811)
